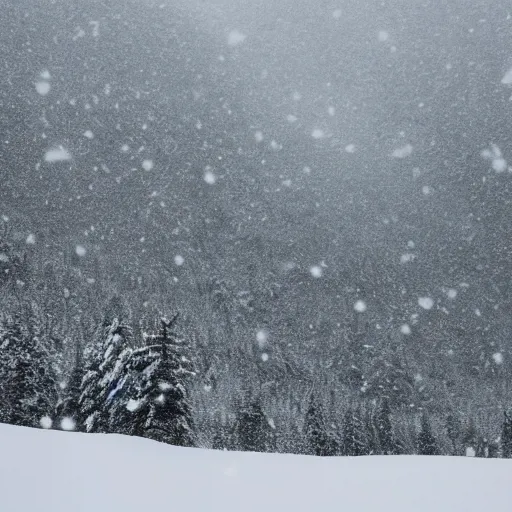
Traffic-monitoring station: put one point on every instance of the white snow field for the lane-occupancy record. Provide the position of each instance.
(50, 471)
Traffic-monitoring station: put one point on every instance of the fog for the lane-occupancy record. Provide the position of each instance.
(313, 169)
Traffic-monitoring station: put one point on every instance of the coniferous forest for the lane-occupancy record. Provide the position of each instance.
(275, 230)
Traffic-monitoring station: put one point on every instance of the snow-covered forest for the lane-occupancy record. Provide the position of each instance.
(254, 225)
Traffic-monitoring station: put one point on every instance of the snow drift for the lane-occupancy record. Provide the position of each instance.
(43, 470)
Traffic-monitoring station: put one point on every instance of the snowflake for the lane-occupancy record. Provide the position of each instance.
(80, 250)
(317, 133)
(402, 152)
(360, 306)
(316, 271)
(426, 303)
(452, 293)
(383, 36)
(58, 154)
(67, 424)
(507, 79)
(498, 358)
(405, 329)
(43, 87)
(147, 165)
(209, 177)
(46, 422)
(262, 338)
(235, 37)
(132, 405)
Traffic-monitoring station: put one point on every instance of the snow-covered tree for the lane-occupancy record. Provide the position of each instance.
(427, 444)
(354, 437)
(388, 444)
(28, 389)
(150, 398)
(68, 407)
(103, 376)
(506, 436)
(318, 438)
(253, 431)
(454, 432)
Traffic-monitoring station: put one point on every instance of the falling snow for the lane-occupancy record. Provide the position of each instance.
(383, 36)
(317, 133)
(147, 165)
(426, 302)
(262, 338)
(80, 250)
(235, 37)
(360, 306)
(58, 154)
(316, 271)
(498, 358)
(209, 177)
(405, 329)
(402, 152)
(43, 87)
(67, 424)
(46, 422)
(507, 79)
(132, 405)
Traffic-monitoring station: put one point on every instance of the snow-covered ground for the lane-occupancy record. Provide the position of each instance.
(42, 470)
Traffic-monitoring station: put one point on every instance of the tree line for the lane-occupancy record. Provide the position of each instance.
(118, 384)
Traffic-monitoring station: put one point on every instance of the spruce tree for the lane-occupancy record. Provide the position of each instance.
(354, 438)
(506, 436)
(27, 375)
(252, 429)
(103, 376)
(68, 407)
(427, 444)
(224, 433)
(470, 437)
(318, 439)
(387, 443)
(129, 407)
(152, 400)
(453, 429)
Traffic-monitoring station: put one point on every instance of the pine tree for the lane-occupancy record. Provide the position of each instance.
(252, 429)
(103, 376)
(224, 433)
(152, 388)
(317, 436)
(68, 406)
(506, 436)
(470, 437)
(427, 444)
(129, 406)
(354, 438)
(27, 375)
(387, 443)
(453, 429)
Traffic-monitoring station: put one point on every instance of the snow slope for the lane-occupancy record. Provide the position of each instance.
(56, 471)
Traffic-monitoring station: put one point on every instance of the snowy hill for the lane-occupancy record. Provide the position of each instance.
(55, 471)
